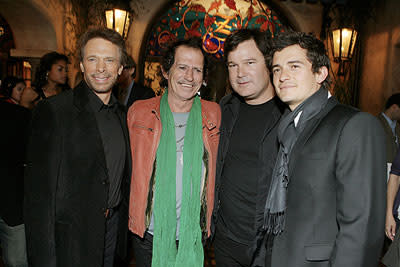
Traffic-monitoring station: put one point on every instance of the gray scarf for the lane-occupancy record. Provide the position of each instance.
(287, 136)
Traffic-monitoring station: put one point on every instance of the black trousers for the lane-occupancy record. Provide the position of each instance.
(230, 253)
(143, 249)
(110, 239)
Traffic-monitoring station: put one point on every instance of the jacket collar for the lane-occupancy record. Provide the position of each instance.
(82, 98)
(233, 105)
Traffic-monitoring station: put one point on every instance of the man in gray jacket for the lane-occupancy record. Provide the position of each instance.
(326, 204)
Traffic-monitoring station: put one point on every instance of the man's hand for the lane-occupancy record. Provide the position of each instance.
(390, 227)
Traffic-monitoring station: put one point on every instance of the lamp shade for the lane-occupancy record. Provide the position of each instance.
(343, 43)
(118, 20)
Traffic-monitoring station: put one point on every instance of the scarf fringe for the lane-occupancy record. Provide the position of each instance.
(275, 222)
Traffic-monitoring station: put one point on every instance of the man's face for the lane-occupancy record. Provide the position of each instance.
(101, 65)
(396, 112)
(248, 73)
(186, 74)
(293, 77)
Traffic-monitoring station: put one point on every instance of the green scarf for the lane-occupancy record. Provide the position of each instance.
(190, 251)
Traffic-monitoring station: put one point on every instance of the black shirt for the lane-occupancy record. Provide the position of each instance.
(114, 145)
(242, 170)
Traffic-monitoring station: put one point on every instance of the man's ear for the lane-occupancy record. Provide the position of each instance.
(321, 75)
(82, 68)
(164, 73)
(121, 68)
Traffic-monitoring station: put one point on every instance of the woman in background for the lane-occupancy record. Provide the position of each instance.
(11, 89)
(50, 79)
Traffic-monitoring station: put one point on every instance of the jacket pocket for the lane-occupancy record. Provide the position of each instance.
(141, 129)
(320, 252)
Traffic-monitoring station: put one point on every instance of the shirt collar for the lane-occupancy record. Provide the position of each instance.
(296, 120)
(98, 105)
(392, 123)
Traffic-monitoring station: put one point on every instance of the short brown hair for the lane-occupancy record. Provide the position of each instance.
(316, 51)
(262, 40)
(106, 34)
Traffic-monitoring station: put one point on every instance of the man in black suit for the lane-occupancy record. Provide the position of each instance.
(326, 205)
(126, 89)
(76, 182)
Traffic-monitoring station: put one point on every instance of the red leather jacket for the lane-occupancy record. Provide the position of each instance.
(144, 126)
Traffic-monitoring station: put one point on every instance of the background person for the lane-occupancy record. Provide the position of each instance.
(12, 89)
(126, 89)
(389, 120)
(50, 79)
(14, 125)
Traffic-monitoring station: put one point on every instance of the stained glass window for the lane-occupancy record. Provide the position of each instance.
(212, 21)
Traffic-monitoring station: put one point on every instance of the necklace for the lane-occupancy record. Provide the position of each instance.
(180, 125)
(180, 139)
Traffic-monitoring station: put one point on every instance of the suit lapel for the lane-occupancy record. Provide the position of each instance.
(307, 132)
(87, 125)
(276, 114)
(231, 109)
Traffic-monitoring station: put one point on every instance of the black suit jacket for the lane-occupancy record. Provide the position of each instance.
(66, 183)
(336, 198)
(14, 120)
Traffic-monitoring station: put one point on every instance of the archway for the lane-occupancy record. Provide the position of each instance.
(211, 20)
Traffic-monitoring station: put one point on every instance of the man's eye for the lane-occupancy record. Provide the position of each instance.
(251, 62)
(91, 59)
(199, 70)
(231, 65)
(275, 71)
(295, 67)
(109, 60)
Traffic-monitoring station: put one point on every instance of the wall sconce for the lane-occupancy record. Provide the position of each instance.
(118, 20)
(343, 44)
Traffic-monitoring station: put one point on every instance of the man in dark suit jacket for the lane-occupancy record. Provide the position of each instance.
(389, 119)
(77, 179)
(126, 89)
(326, 205)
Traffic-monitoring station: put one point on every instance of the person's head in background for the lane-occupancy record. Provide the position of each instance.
(128, 73)
(392, 107)
(12, 88)
(52, 72)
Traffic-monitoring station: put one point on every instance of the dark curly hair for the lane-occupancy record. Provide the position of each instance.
(316, 51)
(169, 56)
(46, 62)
